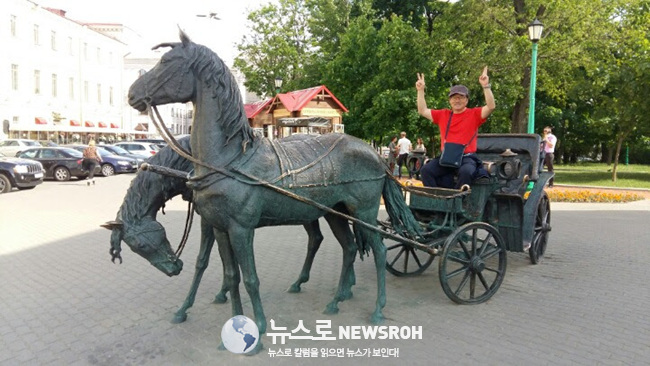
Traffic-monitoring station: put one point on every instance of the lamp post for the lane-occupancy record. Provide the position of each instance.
(534, 34)
(278, 84)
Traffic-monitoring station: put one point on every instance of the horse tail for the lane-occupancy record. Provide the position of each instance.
(400, 214)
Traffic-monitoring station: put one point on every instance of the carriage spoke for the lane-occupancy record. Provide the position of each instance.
(462, 283)
(472, 285)
(491, 254)
(394, 246)
(462, 245)
(486, 243)
(398, 255)
(483, 281)
(474, 239)
(414, 254)
(406, 259)
(457, 272)
(458, 260)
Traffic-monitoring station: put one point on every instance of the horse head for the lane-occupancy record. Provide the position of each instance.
(149, 240)
(174, 68)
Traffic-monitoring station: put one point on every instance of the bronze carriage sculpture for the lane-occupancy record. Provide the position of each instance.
(472, 229)
(342, 179)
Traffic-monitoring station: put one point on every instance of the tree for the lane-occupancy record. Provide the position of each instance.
(277, 46)
(628, 74)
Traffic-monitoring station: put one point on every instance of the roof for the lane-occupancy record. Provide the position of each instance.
(253, 109)
(298, 99)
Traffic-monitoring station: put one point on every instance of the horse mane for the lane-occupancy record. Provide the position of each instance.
(210, 68)
(150, 189)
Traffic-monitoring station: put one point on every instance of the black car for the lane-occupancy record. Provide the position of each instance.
(111, 164)
(19, 173)
(59, 163)
(123, 152)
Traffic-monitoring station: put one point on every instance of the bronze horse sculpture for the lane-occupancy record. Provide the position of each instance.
(136, 225)
(269, 183)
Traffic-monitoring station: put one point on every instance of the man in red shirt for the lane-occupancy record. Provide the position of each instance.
(463, 127)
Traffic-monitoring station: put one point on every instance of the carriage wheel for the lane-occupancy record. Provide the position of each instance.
(403, 260)
(542, 228)
(473, 263)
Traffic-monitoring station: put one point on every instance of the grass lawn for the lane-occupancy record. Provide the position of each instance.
(600, 175)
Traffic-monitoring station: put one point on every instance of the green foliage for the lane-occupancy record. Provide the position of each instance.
(593, 69)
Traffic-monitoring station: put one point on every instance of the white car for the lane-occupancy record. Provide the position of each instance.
(10, 147)
(145, 149)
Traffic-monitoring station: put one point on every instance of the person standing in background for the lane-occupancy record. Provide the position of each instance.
(404, 146)
(91, 160)
(549, 141)
(392, 154)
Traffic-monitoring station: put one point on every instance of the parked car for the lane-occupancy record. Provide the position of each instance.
(19, 173)
(111, 163)
(48, 143)
(122, 152)
(60, 163)
(11, 147)
(159, 142)
(146, 149)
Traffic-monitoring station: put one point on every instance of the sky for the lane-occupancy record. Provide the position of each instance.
(157, 21)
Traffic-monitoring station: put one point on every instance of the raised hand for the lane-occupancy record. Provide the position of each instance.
(419, 85)
(484, 79)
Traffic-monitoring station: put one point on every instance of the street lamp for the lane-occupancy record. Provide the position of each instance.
(278, 84)
(534, 34)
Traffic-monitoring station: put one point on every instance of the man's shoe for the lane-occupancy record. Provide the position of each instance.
(88, 183)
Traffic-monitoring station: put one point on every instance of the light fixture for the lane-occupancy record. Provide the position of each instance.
(278, 84)
(535, 30)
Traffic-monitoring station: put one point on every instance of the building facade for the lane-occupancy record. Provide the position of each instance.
(67, 81)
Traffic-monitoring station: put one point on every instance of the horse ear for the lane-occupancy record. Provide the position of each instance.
(185, 39)
(110, 225)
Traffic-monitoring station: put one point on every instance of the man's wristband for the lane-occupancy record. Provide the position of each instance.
(489, 86)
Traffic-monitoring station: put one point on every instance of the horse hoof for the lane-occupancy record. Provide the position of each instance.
(220, 299)
(331, 309)
(179, 318)
(377, 318)
(294, 289)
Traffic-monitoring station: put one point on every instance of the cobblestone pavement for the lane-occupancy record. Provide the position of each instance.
(62, 301)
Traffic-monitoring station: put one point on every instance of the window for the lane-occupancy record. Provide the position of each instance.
(86, 91)
(99, 55)
(99, 93)
(37, 82)
(71, 87)
(110, 58)
(12, 22)
(70, 46)
(14, 77)
(85, 51)
(53, 40)
(110, 95)
(36, 35)
(55, 88)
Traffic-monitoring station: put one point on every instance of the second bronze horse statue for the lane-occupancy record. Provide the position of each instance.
(268, 183)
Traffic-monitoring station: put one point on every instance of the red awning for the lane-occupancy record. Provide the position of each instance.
(102, 124)
(40, 121)
(89, 124)
(75, 123)
(114, 125)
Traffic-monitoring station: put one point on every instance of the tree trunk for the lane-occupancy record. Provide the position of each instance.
(619, 143)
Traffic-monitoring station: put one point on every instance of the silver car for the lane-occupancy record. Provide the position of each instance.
(11, 147)
(145, 149)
